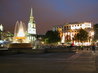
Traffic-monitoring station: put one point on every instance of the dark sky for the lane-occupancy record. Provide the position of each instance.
(47, 13)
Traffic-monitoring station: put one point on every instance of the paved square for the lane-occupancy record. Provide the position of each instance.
(82, 62)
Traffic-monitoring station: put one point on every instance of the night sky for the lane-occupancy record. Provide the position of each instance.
(47, 13)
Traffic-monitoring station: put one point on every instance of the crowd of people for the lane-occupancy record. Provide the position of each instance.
(92, 47)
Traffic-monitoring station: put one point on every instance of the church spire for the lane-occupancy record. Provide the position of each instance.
(31, 13)
(31, 16)
(31, 27)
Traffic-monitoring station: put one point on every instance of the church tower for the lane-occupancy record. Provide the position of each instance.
(31, 28)
(31, 24)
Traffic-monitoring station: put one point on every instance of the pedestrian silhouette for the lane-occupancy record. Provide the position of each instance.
(93, 47)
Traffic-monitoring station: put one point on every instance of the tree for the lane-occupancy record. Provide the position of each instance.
(81, 36)
(96, 32)
(52, 36)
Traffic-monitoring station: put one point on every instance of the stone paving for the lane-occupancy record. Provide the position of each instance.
(81, 62)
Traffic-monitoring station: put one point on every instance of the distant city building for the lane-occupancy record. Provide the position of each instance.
(71, 29)
(5, 36)
(31, 28)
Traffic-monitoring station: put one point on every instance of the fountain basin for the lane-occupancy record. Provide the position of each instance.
(20, 46)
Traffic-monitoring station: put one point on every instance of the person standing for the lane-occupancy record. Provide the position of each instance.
(93, 48)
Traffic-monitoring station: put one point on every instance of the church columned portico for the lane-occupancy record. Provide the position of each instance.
(31, 37)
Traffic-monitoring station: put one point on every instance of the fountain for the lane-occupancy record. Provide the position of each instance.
(63, 39)
(20, 40)
(19, 33)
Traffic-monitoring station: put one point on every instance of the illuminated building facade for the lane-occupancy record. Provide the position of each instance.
(31, 28)
(1, 27)
(1, 30)
(71, 29)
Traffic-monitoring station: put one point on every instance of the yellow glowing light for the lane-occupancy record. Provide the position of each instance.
(19, 37)
(92, 33)
(43, 42)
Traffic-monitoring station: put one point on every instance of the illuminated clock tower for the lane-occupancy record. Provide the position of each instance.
(31, 28)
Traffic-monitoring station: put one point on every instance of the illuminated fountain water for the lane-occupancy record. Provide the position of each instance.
(20, 38)
(20, 33)
(63, 39)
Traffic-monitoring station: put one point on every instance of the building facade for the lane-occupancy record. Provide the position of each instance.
(71, 29)
(1, 30)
